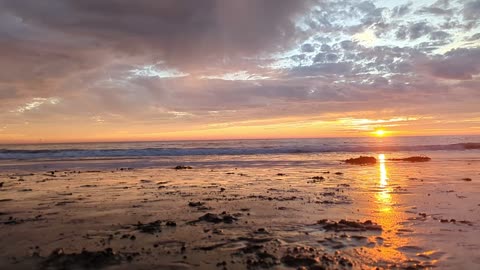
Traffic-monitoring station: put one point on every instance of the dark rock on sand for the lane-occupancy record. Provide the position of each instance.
(362, 160)
(181, 167)
(196, 204)
(412, 159)
(214, 218)
(15, 221)
(316, 179)
(127, 236)
(200, 206)
(263, 260)
(351, 226)
(299, 260)
(261, 231)
(163, 182)
(152, 227)
(310, 258)
(335, 201)
(85, 260)
(251, 248)
(62, 203)
(467, 179)
(469, 223)
(1, 184)
(171, 223)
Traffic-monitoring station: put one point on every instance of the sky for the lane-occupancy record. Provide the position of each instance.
(116, 70)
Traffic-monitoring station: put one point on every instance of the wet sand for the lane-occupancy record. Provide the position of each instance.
(392, 214)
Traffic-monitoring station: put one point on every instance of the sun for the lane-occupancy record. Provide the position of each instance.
(380, 132)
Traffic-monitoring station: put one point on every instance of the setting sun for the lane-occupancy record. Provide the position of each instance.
(380, 132)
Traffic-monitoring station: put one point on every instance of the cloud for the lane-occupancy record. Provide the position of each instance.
(471, 10)
(178, 31)
(474, 37)
(414, 30)
(459, 64)
(320, 69)
(173, 62)
(35, 103)
(307, 47)
(401, 10)
(436, 11)
(439, 35)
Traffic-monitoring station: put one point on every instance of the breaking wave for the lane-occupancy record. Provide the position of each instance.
(26, 154)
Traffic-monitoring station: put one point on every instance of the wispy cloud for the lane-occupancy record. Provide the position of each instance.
(36, 103)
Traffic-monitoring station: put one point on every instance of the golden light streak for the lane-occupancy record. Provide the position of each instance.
(383, 171)
(384, 198)
(387, 216)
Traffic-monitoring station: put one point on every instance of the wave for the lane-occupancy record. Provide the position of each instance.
(26, 154)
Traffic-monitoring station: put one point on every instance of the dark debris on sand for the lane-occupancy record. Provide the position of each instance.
(214, 218)
(151, 228)
(310, 258)
(84, 260)
(15, 221)
(412, 159)
(196, 204)
(349, 226)
(362, 160)
(199, 205)
(316, 179)
(181, 167)
(262, 259)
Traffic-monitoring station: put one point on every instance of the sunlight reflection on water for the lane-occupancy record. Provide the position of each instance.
(387, 217)
(384, 198)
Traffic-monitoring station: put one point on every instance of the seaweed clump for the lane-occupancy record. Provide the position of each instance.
(85, 260)
(151, 228)
(362, 160)
(413, 159)
(181, 167)
(349, 226)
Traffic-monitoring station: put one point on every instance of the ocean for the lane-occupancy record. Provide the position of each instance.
(397, 145)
